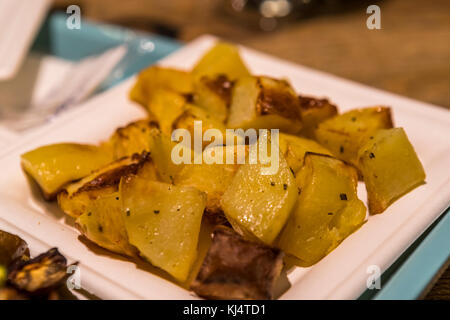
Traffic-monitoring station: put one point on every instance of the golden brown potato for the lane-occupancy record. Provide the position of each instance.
(165, 106)
(327, 209)
(314, 111)
(133, 138)
(76, 198)
(344, 134)
(390, 168)
(161, 152)
(54, 166)
(208, 121)
(213, 179)
(235, 268)
(257, 205)
(224, 59)
(294, 149)
(95, 202)
(156, 77)
(263, 102)
(214, 95)
(103, 224)
(163, 222)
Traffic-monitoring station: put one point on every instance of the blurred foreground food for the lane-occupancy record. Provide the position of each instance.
(23, 277)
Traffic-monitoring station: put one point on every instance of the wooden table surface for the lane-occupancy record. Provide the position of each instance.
(410, 55)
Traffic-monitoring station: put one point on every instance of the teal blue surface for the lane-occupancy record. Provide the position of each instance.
(414, 275)
(144, 49)
(405, 279)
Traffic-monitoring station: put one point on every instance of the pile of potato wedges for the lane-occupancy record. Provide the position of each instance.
(128, 196)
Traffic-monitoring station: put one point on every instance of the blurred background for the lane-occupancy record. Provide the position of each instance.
(410, 55)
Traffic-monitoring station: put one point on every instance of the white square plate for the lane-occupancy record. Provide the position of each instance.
(340, 275)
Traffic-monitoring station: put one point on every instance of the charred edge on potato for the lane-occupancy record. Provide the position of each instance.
(112, 177)
(220, 85)
(235, 268)
(121, 132)
(278, 102)
(216, 217)
(313, 103)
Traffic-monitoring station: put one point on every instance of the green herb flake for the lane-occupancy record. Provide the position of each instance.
(343, 196)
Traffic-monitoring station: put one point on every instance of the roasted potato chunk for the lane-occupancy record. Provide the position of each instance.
(211, 178)
(235, 268)
(224, 59)
(163, 222)
(314, 111)
(12, 248)
(294, 149)
(208, 121)
(95, 202)
(257, 205)
(53, 166)
(76, 198)
(41, 273)
(133, 138)
(103, 224)
(263, 102)
(327, 209)
(156, 77)
(390, 168)
(344, 134)
(214, 95)
(161, 151)
(166, 106)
